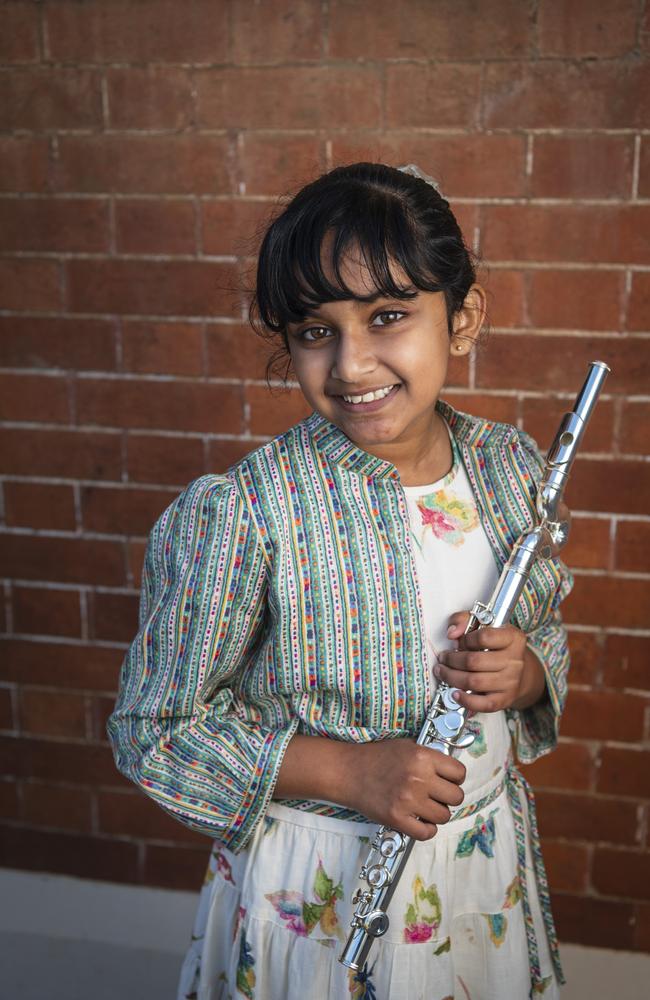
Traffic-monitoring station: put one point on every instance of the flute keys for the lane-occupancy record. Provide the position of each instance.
(448, 699)
(448, 725)
(391, 845)
(378, 876)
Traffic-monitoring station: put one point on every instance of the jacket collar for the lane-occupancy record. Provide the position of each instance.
(472, 432)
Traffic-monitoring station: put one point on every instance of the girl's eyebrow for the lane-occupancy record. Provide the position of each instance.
(409, 291)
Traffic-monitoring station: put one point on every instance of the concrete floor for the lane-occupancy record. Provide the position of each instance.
(71, 939)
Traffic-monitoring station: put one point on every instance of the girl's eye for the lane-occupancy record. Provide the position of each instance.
(314, 333)
(387, 317)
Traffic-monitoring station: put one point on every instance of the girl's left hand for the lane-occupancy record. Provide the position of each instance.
(495, 664)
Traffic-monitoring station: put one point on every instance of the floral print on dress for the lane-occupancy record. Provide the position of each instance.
(479, 746)
(302, 917)
(497, 926)
(361, 985)
(543, 985)
(482, 835)
(423, 915)
(448, 517)
(245, 971)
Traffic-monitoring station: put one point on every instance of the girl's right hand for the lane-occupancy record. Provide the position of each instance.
(405, 786)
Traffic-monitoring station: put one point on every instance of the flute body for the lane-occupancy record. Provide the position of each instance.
(444, 725)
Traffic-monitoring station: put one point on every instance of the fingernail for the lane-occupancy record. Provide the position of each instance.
(436, 671)
(456, 695)
(451, 630)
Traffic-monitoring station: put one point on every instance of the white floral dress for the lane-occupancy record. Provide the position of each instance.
(470, 917)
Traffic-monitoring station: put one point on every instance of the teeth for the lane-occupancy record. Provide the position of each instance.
(369, 396)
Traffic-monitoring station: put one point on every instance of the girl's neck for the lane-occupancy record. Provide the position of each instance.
(423, 461)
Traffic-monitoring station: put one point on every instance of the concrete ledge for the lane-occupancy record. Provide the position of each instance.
(69, 939)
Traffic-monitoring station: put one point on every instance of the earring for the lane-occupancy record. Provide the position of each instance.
(459, 347)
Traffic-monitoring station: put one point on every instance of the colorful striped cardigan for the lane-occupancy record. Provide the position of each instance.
(282, 597)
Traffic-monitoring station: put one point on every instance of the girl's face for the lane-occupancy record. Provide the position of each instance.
(376, 368)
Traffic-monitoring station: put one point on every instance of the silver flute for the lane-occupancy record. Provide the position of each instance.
(445, 721)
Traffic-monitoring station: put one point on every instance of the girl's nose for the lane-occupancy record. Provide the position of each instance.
(354, 359)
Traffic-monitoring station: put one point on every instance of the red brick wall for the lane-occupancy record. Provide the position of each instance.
(141, 145)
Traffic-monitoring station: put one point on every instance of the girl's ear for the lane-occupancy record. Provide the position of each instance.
(468, 321)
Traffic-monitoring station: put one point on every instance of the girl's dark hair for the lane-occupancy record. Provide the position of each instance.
(390, 215)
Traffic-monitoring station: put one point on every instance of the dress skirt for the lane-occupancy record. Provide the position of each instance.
(469, 920)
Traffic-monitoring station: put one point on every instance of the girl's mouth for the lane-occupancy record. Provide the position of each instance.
(368, 402)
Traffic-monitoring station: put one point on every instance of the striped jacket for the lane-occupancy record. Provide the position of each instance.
(282, 597)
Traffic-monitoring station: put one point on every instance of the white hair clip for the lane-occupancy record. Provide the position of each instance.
(414, 171)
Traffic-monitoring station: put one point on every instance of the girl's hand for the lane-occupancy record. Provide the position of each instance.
(405, 786)
(495, 664)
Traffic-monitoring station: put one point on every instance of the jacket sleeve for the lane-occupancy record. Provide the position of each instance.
(536, 728)
(175, 730)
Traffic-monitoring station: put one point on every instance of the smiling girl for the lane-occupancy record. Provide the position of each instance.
(298, 612)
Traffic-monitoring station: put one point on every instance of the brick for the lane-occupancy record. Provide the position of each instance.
(56, 760)
(599, 923)
(474, 165)
(56, 806)
(9, 801)
(605, 715)
(633, 546)
(39, 505)
(577, 28)
(571, 766)
(67, 665)
(506, 295)
(34, 397)
(46, 611)
(24, 162)
(278, 31)
(173, 405)
(585, 817)
(272, 413)
(145, 164)
(559, 363)
(57, 342)
(6, 709)
(121, 510)
(313, 97)
(589, 544)
(133, 815)
(153, 287)
(273, 165)
(566, 94)
(626, 661)
(62, 560)
(235, 352)
(54, 224)
(52, 713)
(639, 306)
(222, 454)
(30, 284)
(69, 854)
(162, 348)
(171, 460)
(576, 300)
(60, 453)
(644, 166)
(432, 96)
(503, 408)
(149, 97)
(600, 485)
(542, 418)
(615, 602)
(587, 166)
(634, 437)
(115, 616)
(19, 40)
(587, 657)
(234, 226)
(567, 865)
(101, 710)
(625, 772)
(176, 867)
(52, 98)
(155, 227)
(571, 233)
(136, 551)
(622, 873)
(151, 30)
(413, 30)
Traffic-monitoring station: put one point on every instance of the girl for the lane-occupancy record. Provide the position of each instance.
(298, 612)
